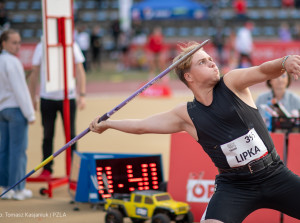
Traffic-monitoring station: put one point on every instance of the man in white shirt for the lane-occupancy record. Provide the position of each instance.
(52, 102)
(83, 40)
(244, 45)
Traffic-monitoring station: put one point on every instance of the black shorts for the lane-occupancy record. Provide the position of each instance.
(238, 195)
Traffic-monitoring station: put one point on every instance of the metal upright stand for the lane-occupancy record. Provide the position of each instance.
(55, 182)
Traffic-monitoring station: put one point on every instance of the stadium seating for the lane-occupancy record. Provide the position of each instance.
(269, 31)
(27, 33)
(184, 31)
(254, 14)
(101, 16)
(169, 31)
(18, 18)
(266, 14)
(36, 5)
(113, 15)
(256, 32)
(24, 5)
(32, 18)
(87, 17)
(10, 5)
(90, 4)
(283, 14)
(198, 31)
(39, 33)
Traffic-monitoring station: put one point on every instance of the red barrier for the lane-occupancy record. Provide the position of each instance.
(157, 90)
(294, 153)
(187, 160)
(192, 174)
(26, 53)
(293, 163)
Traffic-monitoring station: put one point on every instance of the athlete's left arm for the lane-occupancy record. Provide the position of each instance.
(240, 79)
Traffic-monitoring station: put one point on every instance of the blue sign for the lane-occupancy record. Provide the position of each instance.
(170, 9)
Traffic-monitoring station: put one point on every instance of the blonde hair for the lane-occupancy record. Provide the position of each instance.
(185, 66)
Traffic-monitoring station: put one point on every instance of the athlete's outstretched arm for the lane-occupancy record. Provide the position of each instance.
(172, 121)
(240, 79)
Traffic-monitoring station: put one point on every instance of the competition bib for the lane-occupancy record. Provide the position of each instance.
(244, 149)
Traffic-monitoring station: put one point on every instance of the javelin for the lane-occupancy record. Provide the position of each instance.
(108, 114)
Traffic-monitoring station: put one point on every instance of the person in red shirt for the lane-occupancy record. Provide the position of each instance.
(288, 3)
(156, 51)
(240, 8)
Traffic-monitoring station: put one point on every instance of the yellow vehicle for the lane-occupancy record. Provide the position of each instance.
(140, 206)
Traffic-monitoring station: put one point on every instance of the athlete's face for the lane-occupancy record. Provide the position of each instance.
(12, 44)
(203, 68)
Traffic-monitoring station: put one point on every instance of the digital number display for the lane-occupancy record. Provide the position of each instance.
(124, 175)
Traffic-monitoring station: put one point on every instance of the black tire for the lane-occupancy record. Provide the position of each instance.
(113, 216)
(43, 191)
(136, 220)
(161, 218)
(188, 218)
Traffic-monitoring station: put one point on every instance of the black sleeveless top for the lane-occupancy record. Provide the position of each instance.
(226, 119)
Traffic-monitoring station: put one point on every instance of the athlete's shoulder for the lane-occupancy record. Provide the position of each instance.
(181, 107)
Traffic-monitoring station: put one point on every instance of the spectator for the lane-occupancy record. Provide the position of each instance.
(296, 32)
(16, 111)
(156, 51)
(288, 3)
(115, 31)
(278, 93)
(139, 33)
(52, 102)
(83, 40)
(284, 32)
(96, 45)
(232, 61)
(240, 8)
(124, 42)
(244, 45)
(218, 40)
(215, 13)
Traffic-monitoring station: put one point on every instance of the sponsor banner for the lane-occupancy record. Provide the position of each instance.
(199, 190)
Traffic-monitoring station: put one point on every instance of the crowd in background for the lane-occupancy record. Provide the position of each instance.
(131, 49)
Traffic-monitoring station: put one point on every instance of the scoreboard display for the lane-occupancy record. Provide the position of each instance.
(124, 175)
(96, 176)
